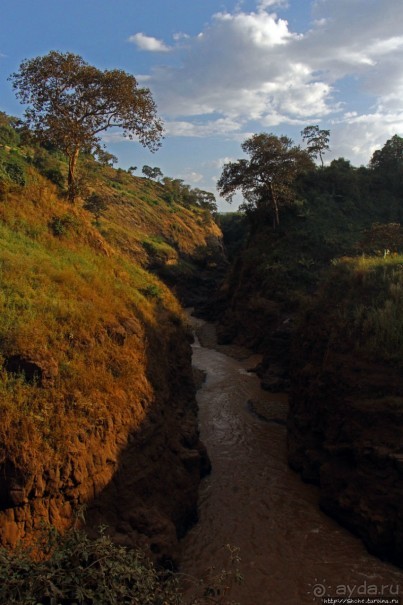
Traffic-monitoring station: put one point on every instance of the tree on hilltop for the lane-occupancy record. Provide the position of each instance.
(390, 157)
(317, 141)
(71, 102)
(152, 173)
(266, 179)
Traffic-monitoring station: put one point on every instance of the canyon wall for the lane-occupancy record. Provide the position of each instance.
(136, 471)
(345, 425)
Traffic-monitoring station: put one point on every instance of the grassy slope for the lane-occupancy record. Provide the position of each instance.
(148, 228)
(77, 309)
(359, 309)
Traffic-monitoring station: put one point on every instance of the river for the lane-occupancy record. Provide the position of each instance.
(292, 553)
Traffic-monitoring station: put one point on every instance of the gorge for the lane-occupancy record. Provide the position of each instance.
(291, 552)
(99, 407)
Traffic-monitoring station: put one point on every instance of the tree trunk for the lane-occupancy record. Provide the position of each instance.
(276, 215)
(71, 184)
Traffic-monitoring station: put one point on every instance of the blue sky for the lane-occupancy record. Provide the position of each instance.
(222, 70)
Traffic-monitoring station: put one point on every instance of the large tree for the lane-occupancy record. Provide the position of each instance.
(70, 103)
(389, 159)
(386, 166)
(265, 179)
(317, 141)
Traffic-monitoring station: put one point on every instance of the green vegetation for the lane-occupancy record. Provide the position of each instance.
(76, 570)
(364, 300)
(317, 141)
(83, 327)
(266, 179)
(70, 289)
(333, 211)
(70, 103)
(235, 229)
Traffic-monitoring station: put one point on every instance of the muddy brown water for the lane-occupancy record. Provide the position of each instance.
(292, 553)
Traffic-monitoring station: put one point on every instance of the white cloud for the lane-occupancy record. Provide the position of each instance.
(357, 136)
(218, 127)
(219, 162)
(148, 43)
(264, 4)
(180, 36)
(242, 66)
(252, 67)
(192, 177)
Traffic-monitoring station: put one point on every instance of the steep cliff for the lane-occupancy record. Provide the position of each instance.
(345, 425)
(97, 397)
(331, 333)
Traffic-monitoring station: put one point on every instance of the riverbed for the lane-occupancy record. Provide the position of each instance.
(292, 553)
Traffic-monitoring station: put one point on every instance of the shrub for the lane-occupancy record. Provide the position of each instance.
(152, 291)
(76, 570)
(79, 571)
(60, 225)
(97, 203)
(13, 172)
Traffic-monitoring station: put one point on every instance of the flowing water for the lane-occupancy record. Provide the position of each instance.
(291, 552)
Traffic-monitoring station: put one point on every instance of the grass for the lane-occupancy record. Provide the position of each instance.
(78, 304)
(363, 297)
(78, 307)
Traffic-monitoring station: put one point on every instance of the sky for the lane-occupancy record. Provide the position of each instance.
(222, 70)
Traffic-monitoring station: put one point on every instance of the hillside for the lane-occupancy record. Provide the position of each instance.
(320, 297)
(97, 404)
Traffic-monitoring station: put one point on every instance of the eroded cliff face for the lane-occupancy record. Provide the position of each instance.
(137, 471)
(97, 400)
(345, 431)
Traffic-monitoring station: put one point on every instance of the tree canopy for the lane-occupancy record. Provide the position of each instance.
(386, 166)
(317, 141)
(266, 178)
(175, 190)
(153, 173)
(70, 103)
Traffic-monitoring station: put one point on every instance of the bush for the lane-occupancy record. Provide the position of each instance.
(97, 203)
(55, 175)
(60, 225)
(13, 172)
(152, 291)
(80, 571)
(75, 570)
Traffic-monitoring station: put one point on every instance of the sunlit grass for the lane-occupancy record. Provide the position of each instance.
(81, 314)
(368, 291)
(78, 304)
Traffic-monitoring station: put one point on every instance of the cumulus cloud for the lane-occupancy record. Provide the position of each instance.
(218, 127)
(356, 136)
(148, 43)
(253, 67)
(243, 67)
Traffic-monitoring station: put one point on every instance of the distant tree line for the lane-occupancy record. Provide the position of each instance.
(278, 175)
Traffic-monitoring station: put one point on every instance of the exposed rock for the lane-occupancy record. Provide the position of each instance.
(41, 369)
(269, 411)
(140, 479)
